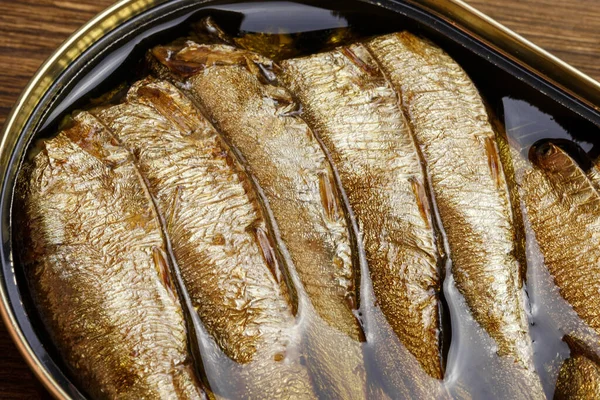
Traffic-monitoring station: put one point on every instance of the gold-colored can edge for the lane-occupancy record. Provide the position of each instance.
(517, 49)
(457, 12)
(50, 70)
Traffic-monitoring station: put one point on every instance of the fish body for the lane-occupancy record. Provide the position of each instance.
(96, 266)
(563, 206)
(351, 107)
(579, 376)
(578, 379)
(453, 131)
(219, 239)
(236, 90)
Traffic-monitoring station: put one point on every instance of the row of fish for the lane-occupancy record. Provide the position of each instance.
(240, 228)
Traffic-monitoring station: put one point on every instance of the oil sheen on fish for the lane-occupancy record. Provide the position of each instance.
(579, 376)
(350, 105)
(563, 206)
(219, 239)
(578, 379)
(236, 90)
(453, 130)
(95, 261)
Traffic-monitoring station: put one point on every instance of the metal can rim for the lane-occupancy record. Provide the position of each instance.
(68, 51)
(537, 60)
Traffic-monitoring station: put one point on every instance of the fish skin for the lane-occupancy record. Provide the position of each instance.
(579, 376)
(452, 128)
(578, 379)
(236, 90)
(512, 162)
(93, 241)
(593, 173)
(563, 206)
(351, 107)
(219, 238)
(276, 167)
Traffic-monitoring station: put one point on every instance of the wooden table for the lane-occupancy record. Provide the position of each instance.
(31, 29)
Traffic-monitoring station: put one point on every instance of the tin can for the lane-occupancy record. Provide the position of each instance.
(455, 21)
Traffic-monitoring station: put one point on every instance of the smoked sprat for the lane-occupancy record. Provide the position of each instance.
(307, 213)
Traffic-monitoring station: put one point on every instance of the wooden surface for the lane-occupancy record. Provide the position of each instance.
(31, 29)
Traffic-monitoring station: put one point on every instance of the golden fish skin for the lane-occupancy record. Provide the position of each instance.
(563, 206)
(512, 162)
(594, 174)
(235, 90)
(452, 128)
(95, 260)
(579, 376)
(352, 108)
(578, 379)
(218, 237)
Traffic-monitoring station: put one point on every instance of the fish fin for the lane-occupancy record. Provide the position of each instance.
(422, 200)
(268, 251)
(493, 157)
(164, 55)
(359, 62)
(190, 58)
(164, 272)
(328, 196)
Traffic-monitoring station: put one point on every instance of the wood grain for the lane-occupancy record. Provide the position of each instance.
(567, 28)
(31, 29)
